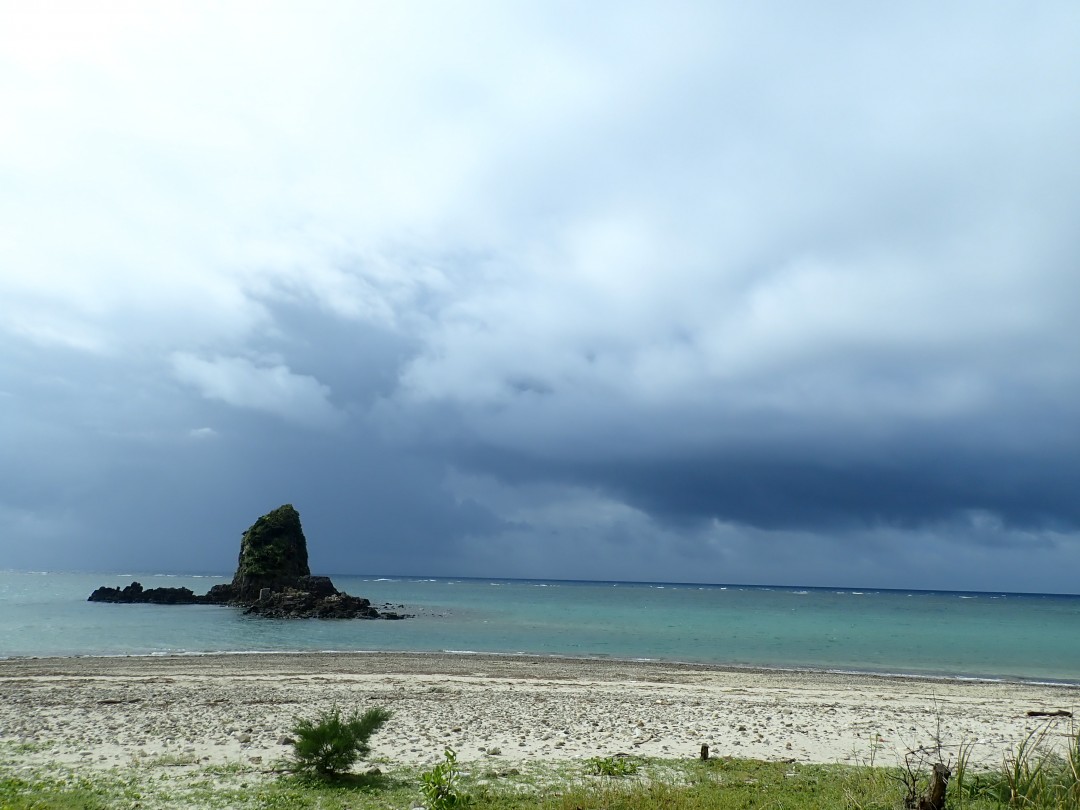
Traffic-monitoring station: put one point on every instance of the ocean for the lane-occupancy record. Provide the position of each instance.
(1024, 637)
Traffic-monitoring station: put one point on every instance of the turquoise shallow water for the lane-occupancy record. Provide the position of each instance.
(991, 635)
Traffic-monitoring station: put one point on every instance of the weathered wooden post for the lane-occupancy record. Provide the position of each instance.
(934, 799)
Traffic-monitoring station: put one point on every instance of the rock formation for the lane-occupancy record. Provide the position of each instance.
(273, 554)
(136, 593)
(312, 598)
(272, 579)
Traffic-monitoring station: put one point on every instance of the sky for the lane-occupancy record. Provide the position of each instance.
(764, 293)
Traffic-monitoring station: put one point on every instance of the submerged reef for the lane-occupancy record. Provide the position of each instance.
(272, 579)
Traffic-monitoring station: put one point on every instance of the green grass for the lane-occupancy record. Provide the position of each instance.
(668, 784)
(1029, 778)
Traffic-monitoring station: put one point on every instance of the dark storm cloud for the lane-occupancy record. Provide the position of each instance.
(837, 482)
(807, 493)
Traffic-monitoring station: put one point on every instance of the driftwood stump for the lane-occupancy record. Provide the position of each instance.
(934, 798)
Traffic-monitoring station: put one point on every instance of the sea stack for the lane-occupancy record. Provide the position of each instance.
(273, 554)
(272, 579)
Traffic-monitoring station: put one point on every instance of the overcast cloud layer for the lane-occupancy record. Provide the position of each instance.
(769, 293)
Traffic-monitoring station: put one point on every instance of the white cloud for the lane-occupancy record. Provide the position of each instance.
(272, 389)
(642, 186)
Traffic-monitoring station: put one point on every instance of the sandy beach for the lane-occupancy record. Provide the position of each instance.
(105, 712)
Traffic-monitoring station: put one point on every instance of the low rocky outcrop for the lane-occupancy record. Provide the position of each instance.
(311, 604)
(272, 579)
(135, 592)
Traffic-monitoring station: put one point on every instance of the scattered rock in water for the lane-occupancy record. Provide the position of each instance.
(299, 603)
(135, 592)
(272, 579)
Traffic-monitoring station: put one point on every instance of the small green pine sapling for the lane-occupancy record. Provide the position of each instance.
(330, 744)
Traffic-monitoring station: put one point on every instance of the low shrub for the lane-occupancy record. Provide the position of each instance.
(612, 766)
(440, 784)
(330, 744)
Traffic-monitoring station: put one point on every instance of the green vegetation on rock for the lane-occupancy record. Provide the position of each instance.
(272, 551)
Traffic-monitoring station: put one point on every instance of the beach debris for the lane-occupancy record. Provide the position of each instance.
(937, 783)
(1056, 713)
(934, 798)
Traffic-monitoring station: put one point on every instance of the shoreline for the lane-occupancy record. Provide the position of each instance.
(707, 665)
(118, 711)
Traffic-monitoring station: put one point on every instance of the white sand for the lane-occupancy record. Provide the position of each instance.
(104, 712)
